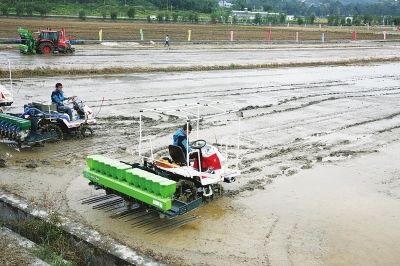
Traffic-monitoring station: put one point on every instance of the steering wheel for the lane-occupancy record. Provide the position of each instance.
(73, 99)
(198, 144)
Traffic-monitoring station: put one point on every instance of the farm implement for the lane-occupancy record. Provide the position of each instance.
(22, 130)
(171, 185)
(41, 121)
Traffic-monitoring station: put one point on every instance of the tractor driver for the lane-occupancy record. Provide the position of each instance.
(57, 96)
(180, 139)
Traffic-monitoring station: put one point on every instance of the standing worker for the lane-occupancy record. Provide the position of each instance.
(166, 40)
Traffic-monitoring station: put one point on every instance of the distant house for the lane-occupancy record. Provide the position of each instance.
(249, 14)
(225, 4)
(350, 19)
(289, 17)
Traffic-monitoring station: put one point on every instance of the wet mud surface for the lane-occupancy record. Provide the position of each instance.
(320, 179)
(113, 54)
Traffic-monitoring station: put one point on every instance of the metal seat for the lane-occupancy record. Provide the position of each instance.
(53, 104)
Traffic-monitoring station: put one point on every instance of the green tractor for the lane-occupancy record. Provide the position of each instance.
(48, 42)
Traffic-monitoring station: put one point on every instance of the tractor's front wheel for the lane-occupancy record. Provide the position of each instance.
(46, 48)
(86, 131)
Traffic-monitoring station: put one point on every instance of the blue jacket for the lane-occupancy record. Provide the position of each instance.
(180, 140)
(58, 97)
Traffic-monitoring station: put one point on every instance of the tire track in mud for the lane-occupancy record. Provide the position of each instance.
(297, 151)
(287, 244)
(248, 91)
(295, 148)
(391, 186)
(304, 105)
(114, 138)
(336, 115)
(228, 92)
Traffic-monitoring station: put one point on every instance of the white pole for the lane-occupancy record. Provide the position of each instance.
(140, 133)
(151, 149)
(198, 120)
(226, 152)
(238, 147)
(9, 67)
(187, 143)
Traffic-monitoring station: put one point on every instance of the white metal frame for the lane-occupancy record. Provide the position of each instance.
(188, 112)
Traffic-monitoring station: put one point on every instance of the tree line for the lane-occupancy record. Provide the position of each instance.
(300, 8)
(383, 12)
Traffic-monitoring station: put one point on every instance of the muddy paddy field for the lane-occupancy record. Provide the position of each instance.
(320, 182)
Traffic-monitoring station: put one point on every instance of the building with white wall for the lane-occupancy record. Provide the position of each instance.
(289, 17)
(225, 4)
(249, 14)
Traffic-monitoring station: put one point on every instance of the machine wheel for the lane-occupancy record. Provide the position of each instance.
(186, 191)
(217, 190)
(51, 127)
(42, 123)
(86, 131)
(19, 143)
(46, 48)
(68, 51)
(128, 203)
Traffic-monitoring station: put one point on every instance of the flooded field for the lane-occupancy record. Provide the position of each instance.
(320, 179)
(125, 55)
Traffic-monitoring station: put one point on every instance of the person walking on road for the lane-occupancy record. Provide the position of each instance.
(166, 41)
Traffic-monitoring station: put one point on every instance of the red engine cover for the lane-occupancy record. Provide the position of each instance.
(208, 161)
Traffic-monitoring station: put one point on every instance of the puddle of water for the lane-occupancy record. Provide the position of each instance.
(359, 224)
(212, 211)
(119, 43)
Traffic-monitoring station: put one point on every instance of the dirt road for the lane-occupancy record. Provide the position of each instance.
(320, 178)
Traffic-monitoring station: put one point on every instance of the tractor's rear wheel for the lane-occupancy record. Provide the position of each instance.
(42, 122)
(186, 191)
(51, 127)
(46, 48)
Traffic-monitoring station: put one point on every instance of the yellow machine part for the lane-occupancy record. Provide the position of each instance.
(165, 163)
